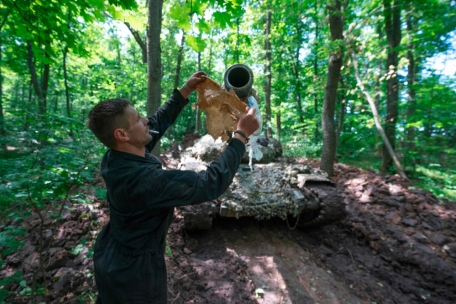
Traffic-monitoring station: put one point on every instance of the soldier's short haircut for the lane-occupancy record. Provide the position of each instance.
(107, 116)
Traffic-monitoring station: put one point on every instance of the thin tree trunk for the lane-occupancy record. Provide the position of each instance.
(198, 112)
(237, 40)
(411, 76)
(154, 73)
(336, 27)
(27, 111)
(316, 72)
(34, 79)
(65, 78)
(210, 60)
(279, 126)
(180, 55)
(296, 70)
(392, 16)
(267, 88)
(45, 83)
(2, 118)
(377, 121)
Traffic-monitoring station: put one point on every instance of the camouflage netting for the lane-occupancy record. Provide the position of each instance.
(271, 190)
(206, 149)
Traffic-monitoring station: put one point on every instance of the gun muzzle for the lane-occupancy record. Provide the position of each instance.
(239, 77)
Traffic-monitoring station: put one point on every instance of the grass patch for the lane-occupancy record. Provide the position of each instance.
(440, 181)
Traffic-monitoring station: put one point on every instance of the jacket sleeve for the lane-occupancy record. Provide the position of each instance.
(165, 116)
(172, 188)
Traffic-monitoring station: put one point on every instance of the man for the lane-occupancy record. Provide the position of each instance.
(129, 251)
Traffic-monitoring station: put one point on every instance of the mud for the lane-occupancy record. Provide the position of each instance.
(396, 245)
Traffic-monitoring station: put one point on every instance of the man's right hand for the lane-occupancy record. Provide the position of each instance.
(247, 124)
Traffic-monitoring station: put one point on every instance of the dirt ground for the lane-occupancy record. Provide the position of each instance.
(396, 245)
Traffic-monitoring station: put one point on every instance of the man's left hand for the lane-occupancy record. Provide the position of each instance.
(190, 84)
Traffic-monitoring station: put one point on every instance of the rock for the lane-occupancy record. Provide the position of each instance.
(438, 239)
(409, 222)
(394, 217)
(58, 260)
(80, 258)
(435, 223)
(18, 257)
(420, 238)
(31, 262)
(67, 279)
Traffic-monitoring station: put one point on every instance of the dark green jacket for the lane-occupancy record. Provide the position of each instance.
(129, 251)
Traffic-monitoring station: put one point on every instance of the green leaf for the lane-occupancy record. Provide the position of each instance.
(204, 26)
(222, 18)
(181, 16)
(199, 7)
(196, 43)
(100, 193)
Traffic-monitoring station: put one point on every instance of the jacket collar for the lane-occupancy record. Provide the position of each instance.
(112, 154)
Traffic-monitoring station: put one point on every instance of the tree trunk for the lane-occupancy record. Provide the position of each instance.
(279, 125)
(45, 84)
(34, 79)
(180, 55)
(296, 70)
(342, 112)
(392, 16)
(336, 27)
(154, 73)
(411, 77)
(209, 64)
(27, 113)
(65, 79)
(2, 118)
(377, 121)
(316, 72)
(198, 112)
(267, 87)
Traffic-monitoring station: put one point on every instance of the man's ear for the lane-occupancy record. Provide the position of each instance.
(121, 135)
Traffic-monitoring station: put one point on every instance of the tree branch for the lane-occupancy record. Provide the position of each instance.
(377, 120)
(139, 40)
(6, 17)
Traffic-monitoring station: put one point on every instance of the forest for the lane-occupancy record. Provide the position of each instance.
(368, 84)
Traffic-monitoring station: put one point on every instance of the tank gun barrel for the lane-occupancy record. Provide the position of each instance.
(239, 78)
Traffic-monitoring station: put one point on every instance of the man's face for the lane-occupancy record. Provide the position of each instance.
(138, 130)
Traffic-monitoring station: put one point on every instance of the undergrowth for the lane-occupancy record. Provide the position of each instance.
(436, 178)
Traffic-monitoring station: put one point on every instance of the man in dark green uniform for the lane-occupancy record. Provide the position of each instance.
(129, 251)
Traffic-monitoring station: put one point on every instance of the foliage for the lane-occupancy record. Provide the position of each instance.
(438, 180)
(16, 277)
